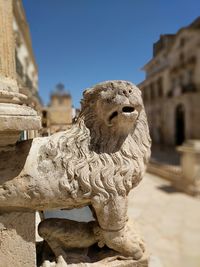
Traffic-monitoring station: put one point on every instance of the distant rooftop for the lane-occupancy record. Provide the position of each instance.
(60, 91)
(166, 40)
(195, 24)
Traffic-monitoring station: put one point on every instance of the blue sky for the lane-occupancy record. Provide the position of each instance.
(83, 42)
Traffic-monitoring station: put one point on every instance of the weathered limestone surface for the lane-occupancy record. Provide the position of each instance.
(17, 236)
(95, 163)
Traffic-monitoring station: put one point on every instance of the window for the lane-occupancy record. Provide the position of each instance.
(160, 87)
(44, 118)
(182, 42)
(181, 58)
(181, 78)
(173, 82)
(190, 76)
(44, 124)
(44, 113)
(144, 94)
(152, 91)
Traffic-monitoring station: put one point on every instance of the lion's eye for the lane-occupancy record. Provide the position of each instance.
(109, 100)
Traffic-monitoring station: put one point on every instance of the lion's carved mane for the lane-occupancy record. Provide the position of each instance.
(96, 164)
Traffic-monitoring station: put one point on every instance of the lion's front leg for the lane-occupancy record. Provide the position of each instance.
(115, 229)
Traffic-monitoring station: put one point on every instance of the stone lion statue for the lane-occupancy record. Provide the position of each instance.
(95, 163)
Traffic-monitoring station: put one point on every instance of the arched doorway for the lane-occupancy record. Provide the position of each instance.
(179, 125)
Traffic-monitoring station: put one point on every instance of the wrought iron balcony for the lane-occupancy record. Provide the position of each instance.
(188, 88)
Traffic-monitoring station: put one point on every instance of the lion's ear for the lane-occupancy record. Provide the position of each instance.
(87, 92)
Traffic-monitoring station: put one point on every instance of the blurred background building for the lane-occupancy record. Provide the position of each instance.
(171, 89)
(57, 116)
(26, 67)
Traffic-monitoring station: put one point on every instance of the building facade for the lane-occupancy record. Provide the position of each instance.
(26, 68)
(171, 89)
(57, 116)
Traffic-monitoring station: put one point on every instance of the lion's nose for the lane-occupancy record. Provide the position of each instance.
(125, 92)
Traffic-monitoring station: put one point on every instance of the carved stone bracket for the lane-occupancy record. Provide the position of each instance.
(95, 163)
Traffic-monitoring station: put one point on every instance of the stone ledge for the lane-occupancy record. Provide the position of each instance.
(15, 119)
(20, 123)
(18, 118)
(16, 109)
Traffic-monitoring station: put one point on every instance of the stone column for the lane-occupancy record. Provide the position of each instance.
(17, 229)
(14, 117)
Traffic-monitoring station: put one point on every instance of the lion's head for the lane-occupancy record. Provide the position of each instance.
(111, 111)
(106, 151)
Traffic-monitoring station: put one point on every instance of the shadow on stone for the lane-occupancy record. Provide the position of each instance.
(11, 164)
(93, 256)
(168, 189)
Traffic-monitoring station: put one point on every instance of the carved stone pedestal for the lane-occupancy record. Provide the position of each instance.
(190, 163)
(17, 239)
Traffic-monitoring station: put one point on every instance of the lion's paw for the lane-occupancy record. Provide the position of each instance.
(126, 241)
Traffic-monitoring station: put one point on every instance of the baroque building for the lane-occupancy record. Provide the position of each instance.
(57, 116)
(171, 89)
(26, 67)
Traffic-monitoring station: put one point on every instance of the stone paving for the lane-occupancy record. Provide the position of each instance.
(169, 222)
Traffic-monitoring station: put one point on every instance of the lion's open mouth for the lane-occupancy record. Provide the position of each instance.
(125, 110)
(128, 109)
